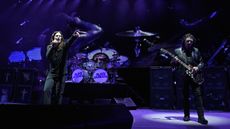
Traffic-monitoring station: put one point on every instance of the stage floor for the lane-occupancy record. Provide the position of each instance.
(146, 118)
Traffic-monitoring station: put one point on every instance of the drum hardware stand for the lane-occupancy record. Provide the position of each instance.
(113, 76)
(137, 48)
(137, 34)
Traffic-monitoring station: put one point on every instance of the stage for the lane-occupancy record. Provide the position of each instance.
(147, 118)
(108, 116)
(117, 76)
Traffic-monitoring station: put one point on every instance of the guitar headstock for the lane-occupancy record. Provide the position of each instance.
(163, 50)
(166, 51)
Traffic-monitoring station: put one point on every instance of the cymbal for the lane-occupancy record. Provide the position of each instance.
(136, 33)
(81, 55)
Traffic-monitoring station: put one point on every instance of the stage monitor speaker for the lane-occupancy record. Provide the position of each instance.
(128, 102)
(65, 116)
(161, 88)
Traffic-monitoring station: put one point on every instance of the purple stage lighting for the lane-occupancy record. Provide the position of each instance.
(17, 56)
(19, 40)
(34, 54)
(24, 22)
(213, 15)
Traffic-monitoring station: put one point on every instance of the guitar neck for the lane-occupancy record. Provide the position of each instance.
(175, 57)
(182, 63)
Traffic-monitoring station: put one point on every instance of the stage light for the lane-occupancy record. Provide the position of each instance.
(19, 40)
(17, 56)
(24, 22)
(34, 54)
(213, 15)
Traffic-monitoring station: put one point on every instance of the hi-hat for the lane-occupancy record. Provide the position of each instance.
(135, 33)
(81, 55)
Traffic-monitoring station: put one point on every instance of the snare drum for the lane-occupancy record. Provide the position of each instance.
(80, 75)
(100, 76)
(90, 65)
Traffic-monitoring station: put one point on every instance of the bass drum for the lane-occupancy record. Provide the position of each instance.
(80, 75)
(100, 76)
(110, 53)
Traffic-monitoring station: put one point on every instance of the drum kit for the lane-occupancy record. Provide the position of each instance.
(97, 66)
(100, 65)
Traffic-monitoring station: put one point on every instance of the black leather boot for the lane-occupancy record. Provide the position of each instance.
(202, 121)
(201, 118)
(186, 118)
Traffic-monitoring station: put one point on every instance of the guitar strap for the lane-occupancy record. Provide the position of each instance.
(182, 56)
(185, 58)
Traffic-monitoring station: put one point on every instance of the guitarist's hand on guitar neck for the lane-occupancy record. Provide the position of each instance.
(195, 69)
(192, 71)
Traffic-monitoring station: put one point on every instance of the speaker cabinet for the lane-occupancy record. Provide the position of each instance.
(161, 88)
(27, 77)
(5, 94)
(216, 88)
(7, 76)
(26, 80)
(7, 83)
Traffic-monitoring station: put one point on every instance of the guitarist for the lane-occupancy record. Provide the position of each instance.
(190, 55)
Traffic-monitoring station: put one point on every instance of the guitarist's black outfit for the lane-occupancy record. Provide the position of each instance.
(193, 58)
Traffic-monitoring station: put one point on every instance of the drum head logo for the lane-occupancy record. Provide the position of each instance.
(77, 75)
(100, 76)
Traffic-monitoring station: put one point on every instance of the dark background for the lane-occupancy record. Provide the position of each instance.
(157, 16)
(208, 20)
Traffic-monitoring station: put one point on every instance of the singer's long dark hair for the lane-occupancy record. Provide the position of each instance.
(61, 45)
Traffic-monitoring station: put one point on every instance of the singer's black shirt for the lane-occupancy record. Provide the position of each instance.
(57, 58)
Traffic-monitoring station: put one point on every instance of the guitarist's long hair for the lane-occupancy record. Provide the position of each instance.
(184, 38)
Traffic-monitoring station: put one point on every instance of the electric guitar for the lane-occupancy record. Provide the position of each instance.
(196, 76)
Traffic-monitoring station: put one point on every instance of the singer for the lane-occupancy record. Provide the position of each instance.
(56, 54)
(57, 50)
